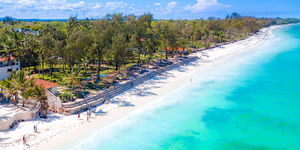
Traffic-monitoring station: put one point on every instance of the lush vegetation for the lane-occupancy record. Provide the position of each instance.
(55, 49)
(19, 85)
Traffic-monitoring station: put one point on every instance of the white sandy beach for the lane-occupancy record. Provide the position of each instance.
(58, 129)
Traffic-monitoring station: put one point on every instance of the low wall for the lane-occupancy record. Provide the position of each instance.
(53, 101)
(70, 108)
(4, 125)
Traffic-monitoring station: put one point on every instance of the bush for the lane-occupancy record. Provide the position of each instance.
(66, 97)
(90, 85)
(81, 94)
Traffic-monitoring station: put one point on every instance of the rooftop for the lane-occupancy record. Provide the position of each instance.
(175, 49)
(6, 58)
(45, 84)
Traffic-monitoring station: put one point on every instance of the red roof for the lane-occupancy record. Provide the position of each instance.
(175, 49)
(45, 84)
(6, 58)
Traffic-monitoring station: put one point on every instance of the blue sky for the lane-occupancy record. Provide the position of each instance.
(162, 9)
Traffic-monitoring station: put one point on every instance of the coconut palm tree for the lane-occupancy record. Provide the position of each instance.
(39, 94)
(19, 83)
(9, 45)
(72, 79)
(28, 91)
(28, 46)
(8, 90)
(27, 94)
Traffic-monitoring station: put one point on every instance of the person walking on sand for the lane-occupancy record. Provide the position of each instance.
(87, 116)
(35, 128)
(24, 140)
(78, 115)
(141, 92)
(90, 113)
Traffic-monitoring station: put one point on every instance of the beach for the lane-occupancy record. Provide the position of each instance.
(59, 129)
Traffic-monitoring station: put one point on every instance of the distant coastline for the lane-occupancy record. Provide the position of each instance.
(57, 20)
(43, 20)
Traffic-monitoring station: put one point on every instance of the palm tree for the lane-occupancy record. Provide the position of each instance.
(9, 45)
(28, 91)
(19, 83)
(8, 90)
(72, 79)
(39, 94)
(26, 94)
(27, 50)
(101, 35)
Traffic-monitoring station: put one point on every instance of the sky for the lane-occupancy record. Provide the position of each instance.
(161, 9)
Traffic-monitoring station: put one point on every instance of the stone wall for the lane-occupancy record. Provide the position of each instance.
(4, 125)
(70, 108)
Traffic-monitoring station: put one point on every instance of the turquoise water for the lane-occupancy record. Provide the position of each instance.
(251, 103)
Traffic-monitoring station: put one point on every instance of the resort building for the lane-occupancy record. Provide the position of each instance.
(47, 85)
(26, 31)
(51, 92)
(7, 65)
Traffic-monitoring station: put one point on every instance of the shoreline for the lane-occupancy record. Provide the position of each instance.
(76, 129)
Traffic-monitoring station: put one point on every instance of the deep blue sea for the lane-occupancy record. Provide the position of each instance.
(252, 102)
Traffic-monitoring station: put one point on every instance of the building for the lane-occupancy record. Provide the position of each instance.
(54, 101)
(7, 65)
(26, 31)
(47, 85)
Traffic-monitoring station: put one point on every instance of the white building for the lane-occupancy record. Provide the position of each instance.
(6, 68)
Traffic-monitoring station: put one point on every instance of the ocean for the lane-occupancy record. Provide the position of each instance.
(252, 102)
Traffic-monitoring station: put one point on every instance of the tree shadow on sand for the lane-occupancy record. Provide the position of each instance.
(125, 104)
(3, 139)
(142, 94)
(3, 118)
(100, 113)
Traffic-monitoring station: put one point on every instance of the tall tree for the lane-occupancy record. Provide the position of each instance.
(101, 34)
(10, 45)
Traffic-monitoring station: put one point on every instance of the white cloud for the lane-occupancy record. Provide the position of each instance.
(26, 2)
(60, 5)
(61, 9)
(115, 5)
(44, 5)
(6, 1)
(202, 5)
(96, 6)
(170, 7)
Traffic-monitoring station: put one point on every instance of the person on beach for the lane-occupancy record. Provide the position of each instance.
(34, 128)
(24, 140)
(87, 117)
(78, 115)
(90, 113)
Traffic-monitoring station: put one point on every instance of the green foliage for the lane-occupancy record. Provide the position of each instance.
(72, 79)
(90, 85)
(18, 83)
(81, 94)
(66, 97)
(115, 41)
